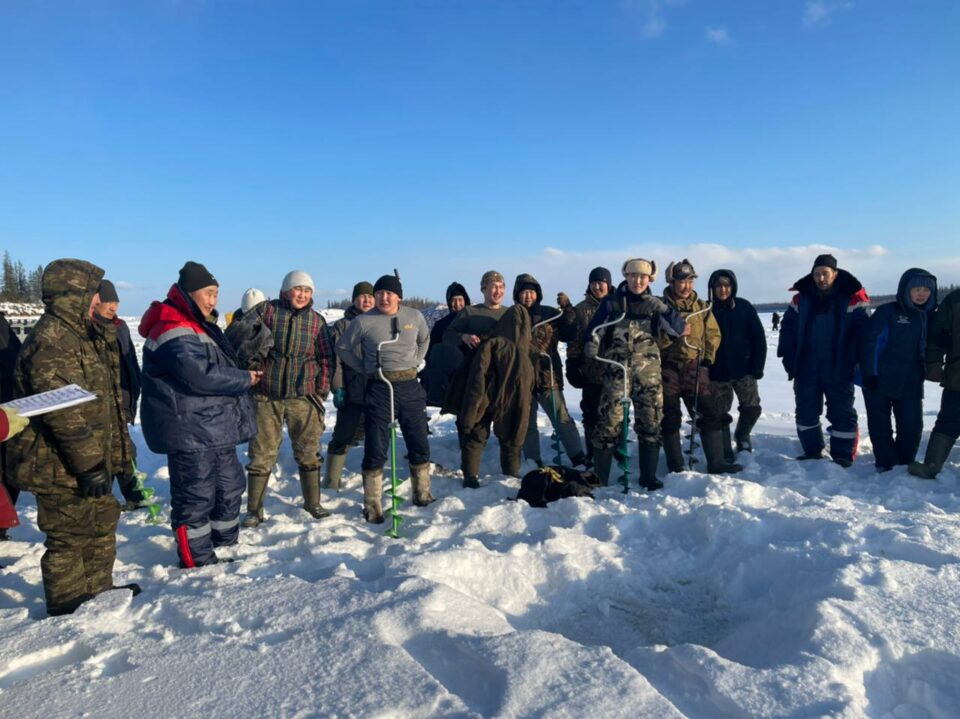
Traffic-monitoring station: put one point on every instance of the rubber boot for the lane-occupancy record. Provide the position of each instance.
(602, 460)
(256, 489)
(748, 418)
(713, 449)
(420, 479)
(310, 486)
(372, 492)
(335, 463)
(510, 460)
(649, 457)
(938, 449)
(728, 454)
(673, 452)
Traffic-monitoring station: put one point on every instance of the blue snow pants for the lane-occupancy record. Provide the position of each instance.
(908, 414)
(809, 390)
(205, 491)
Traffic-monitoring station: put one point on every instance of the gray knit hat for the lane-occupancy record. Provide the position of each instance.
(296, 278)
(251, 298)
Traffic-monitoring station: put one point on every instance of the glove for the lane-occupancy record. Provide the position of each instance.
(339, 397)
(575, 374)
(16, 423)
(934, 372)
(590, 349)
(95, 483)
(652, 305)
(871, 383)
(562, 300)
(758, 375)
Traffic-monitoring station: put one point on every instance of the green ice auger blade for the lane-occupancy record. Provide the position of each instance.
(395, 518)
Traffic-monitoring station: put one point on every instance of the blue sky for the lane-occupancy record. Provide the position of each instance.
(446, 138)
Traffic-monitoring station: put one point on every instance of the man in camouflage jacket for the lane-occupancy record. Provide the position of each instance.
(67, 458)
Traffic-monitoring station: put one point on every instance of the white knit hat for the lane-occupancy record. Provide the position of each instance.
(251, 298)
(296, 278)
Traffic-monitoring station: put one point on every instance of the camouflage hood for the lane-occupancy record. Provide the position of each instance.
(68, 285)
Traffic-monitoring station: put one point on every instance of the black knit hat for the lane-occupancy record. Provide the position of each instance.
(825, 261)
(362, 288)
(390, 283)
(194, 276)
(107, 292)
(601, 274)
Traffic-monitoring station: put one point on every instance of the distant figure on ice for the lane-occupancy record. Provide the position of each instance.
(775, 321)
(740, 360)
(943, 366)
(819, 343)
(196, 410)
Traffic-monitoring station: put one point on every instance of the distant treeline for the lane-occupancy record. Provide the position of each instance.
(18, 284)
(417, 303)
(875, 300)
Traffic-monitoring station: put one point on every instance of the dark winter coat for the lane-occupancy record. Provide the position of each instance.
(499, 386)
(743, 341)
(9, 348)
(66, 347)
(252, 340)
(895, 340)
(580, 371)
(129, 370)
(195, 396)
(545, 339)
(943, 346)
(301, 361)
(353, 383)
(848, 303)
(704, 332)
(443, 360)
(440, 326)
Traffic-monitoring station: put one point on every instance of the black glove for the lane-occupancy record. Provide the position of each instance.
(871, 383)
(758, 375)
(94, 483)
(575, 374)
(934, 372)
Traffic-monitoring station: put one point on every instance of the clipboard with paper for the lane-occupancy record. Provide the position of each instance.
(50, 401)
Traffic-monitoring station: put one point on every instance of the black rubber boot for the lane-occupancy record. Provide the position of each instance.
(649, 457)
(748, 418)
(728, 453)
(310, 486)
(256, 489)
(938, 449)
(602, 460)
(713, 449)
(673, 452)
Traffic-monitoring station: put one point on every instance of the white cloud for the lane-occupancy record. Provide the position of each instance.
(719, 36)
(816, 12)
(654, 23)
(124, 285)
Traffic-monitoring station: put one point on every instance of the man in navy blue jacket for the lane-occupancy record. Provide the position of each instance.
(196, 410)
(892, 365)
(819, 345)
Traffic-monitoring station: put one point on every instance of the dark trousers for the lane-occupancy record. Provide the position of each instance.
(590, 407)
(809, 392)
(410, 409)
(948, 419)
(908, 414)
(205, 492)
(349, 420)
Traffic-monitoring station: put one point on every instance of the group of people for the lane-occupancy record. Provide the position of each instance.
(204, 390)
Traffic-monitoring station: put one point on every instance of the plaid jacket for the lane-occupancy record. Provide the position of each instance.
(301, 362)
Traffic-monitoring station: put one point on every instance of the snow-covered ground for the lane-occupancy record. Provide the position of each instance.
(791, 590)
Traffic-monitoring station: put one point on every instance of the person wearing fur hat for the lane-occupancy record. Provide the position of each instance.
(584, 374)
(819, 344)
(358, 349)
(196, 409)
(632, 341)
(740, 360)
(297, 371)
(348, 391)
(686, 374)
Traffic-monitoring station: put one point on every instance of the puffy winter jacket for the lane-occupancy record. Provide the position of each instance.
(644, 321)
(65, 347)
(895, 339)
(545, 339)
(943, 348)
(743, 342)
(195, 397)
(580, 371)
(848, 303)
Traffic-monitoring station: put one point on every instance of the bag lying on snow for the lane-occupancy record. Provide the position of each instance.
(549, 484)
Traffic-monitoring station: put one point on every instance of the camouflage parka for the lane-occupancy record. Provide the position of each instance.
(66, 347)
(704, 332)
